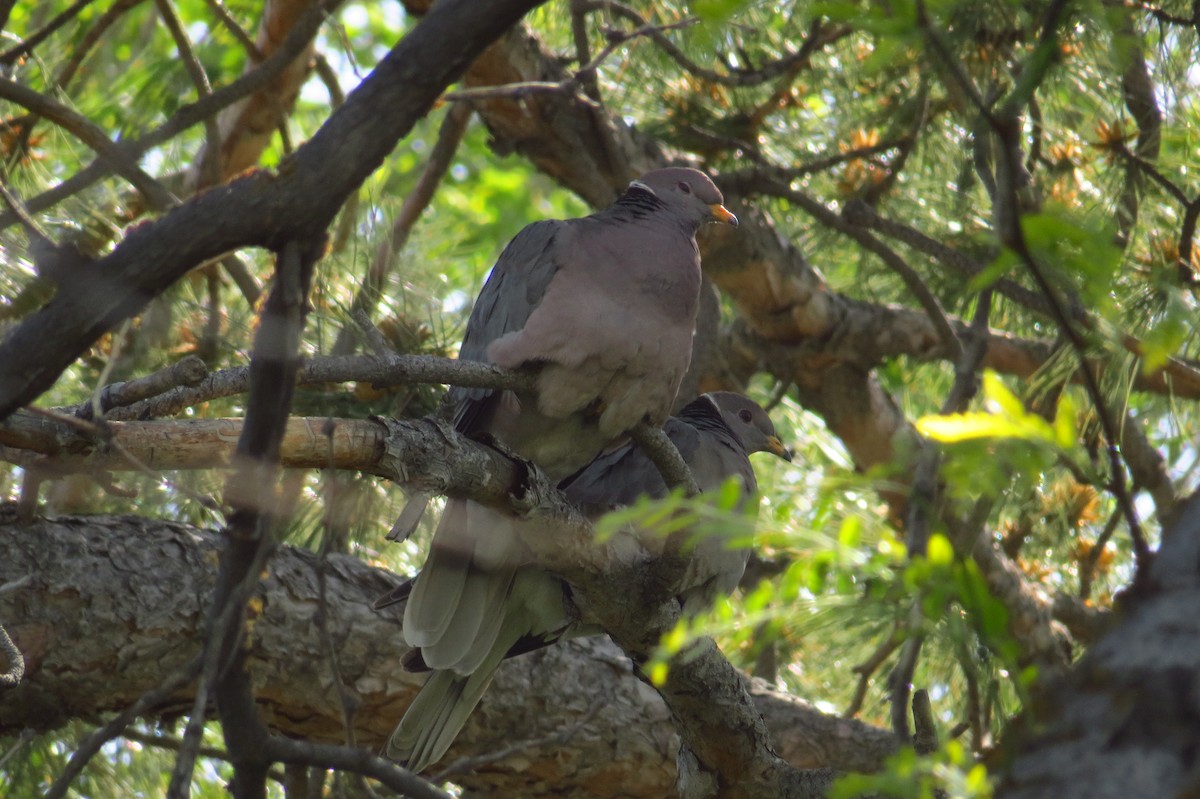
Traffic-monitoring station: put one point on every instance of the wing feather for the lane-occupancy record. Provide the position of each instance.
(512, 291)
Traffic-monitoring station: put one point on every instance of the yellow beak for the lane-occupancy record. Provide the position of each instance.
(722, 214)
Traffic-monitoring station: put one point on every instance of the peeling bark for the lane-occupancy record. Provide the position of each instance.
(246, 127)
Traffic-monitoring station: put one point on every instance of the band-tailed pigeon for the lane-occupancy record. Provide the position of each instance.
(715, 433)
(603, 309)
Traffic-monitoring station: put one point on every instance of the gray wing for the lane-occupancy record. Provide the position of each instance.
(714, 454)
(512, 291)
(619, 477)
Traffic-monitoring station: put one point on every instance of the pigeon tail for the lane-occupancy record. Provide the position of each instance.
(531, 613)
(456, 606)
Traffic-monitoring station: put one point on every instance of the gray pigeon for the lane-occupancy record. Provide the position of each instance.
(715, 434)
(602, 309)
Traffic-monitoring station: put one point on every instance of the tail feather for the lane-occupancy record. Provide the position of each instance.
(418, 739)
(456, 606)
(394, 597)
(477, 625)
(438, 588)
(410, 517)
(532, 610)
(442, 707)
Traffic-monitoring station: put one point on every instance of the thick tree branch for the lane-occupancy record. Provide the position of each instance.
(25, 47)
(193, 113)
(76, 616)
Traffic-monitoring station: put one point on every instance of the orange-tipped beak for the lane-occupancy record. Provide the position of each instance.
(722, 214)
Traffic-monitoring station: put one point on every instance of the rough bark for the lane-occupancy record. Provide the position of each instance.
(97, 633)
(1125, 722)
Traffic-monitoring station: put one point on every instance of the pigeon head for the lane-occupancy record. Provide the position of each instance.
(749, 423)
(689, 193)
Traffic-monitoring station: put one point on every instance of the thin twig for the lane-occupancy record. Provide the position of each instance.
(22, 741)
(912, 280)
(357, 761)
(579, 34)
(738, 77)
(333, 531)
(926, 491)
(1151, 171)
(195, 71)
(745, 181)
(974, 708)
(383, 370)
(1087, 566)
(923, 500)
(221, 618)
(569, 84)
(237, 31)
(860, 213)
(37, 236)
(1003, 124)
(187, 371)
(10, 56)
(80, 51)
(665, 456)
(450, 135)
(90, 746)
(118, 157)
(866, 669)
(901, 677)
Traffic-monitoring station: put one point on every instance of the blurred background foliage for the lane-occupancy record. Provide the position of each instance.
(836, 579)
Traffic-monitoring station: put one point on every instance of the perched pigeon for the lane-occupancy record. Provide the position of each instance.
(602, 310)
(715, 433)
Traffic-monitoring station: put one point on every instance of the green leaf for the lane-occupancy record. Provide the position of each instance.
(1167, 336)
(939, 551)
(717, 10)
(850, 533)
(1006, 418)
(998, 268)
(967, 426)
(997, 394)
(1065, 433)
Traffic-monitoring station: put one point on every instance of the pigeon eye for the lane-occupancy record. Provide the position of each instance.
(684, 187)
(745, 415)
